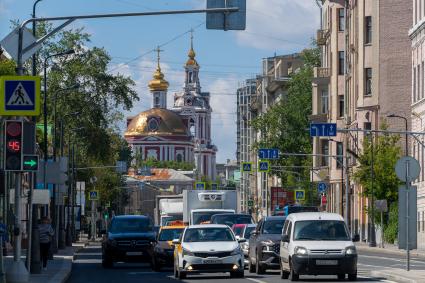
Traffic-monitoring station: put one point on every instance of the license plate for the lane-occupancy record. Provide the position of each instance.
(134, 253)
(326, 262)
(211, 261)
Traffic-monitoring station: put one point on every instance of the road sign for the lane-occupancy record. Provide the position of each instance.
(227, 21)
(407, 169)
(263, 166)
(214, 186)
(407, 218)
(200, 186)
(323, 129)
(322, 187)
(250, 203)
(30, 162)
(20, 95)
(299, 194)
(381, 205)
(93, 195)
(268, 153)
(246, 166)
(10, 44)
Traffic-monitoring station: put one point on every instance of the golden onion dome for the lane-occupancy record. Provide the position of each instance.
(156, 121)
(158, 83)
(191, 61)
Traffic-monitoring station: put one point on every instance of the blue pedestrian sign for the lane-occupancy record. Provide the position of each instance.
(200, 186)
(93, 195)
(323, 129)
(322, 187)
(246, 166)
(263, 166)
(268, 153)
(299, 194)
(20, 95)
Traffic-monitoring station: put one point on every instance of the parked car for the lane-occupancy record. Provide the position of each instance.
(246, 234)
(164, 249)
(264, 244)
(231, 219)
(208, 248)
(317, 243)
(130, 238)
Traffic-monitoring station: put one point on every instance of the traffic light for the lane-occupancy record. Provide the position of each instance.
(105, 215)
(13, 145)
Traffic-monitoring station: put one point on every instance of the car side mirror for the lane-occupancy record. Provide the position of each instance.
(285, 238)
(175, 242)
(356, 238)
(241, 240)
(238, 237)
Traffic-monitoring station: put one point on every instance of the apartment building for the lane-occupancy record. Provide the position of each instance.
(365, 54)
(417, 36)
(255, 97)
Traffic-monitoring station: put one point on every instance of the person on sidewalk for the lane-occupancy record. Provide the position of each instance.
(4, 235)
(46, 234)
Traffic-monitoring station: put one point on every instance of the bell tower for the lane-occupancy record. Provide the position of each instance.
(158, 86)
(192, 70)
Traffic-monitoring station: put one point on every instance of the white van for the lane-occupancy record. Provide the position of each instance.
(317, 243)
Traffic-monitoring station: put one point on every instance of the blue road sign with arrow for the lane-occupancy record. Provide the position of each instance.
(323, 129)
(268, 153)
(322, 187)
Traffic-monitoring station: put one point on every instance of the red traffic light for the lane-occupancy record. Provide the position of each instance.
(14, 145)
(14, 129)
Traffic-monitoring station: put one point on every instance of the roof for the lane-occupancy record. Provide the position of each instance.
(314, 216)
(162, 174)
(207, 226)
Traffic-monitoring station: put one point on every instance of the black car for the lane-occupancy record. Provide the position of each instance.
(230, 219)
(130, 238)
(264, 244)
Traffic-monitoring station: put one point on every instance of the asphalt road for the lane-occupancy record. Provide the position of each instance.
(87, 268)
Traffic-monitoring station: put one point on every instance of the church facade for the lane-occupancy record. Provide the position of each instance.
(181, 133)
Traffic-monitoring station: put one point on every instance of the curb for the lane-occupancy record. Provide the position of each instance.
(389, 251)
(65, 271)
(397, 278)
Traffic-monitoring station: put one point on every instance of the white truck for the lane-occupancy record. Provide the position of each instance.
(168, 208)
(199, 206)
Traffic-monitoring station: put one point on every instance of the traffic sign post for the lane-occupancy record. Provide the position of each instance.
(299, 195)
(214, 186)
(263, 166)
(268, 153)
(227, 21)
(94, 195)
(200, 186)
(322, 187)
(20, 95)
(246, 166)
(323, 129)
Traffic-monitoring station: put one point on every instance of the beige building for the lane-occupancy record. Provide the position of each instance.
(417, 36)
(365, 50)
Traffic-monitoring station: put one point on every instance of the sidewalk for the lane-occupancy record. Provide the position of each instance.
(389, 249)
(400, 275)
(58, 269)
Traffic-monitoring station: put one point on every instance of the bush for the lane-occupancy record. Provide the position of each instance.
(391, 228)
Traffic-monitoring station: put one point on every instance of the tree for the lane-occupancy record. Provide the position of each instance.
(283, 125)
(154, 163)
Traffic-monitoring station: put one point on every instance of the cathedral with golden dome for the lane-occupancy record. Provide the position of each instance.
(181, 133)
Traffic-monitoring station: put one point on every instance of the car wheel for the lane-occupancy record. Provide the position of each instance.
(237, 274)
(352, 277)
(251, 267)
(341, 276)
(259, 269)
(283, 273)
(292, 275)
(107, 262)
(155, 265)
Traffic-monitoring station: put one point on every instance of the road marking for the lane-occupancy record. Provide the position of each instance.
(256, 280)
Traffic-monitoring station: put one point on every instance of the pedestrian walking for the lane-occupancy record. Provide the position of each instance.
(46, 234)
(4, 236)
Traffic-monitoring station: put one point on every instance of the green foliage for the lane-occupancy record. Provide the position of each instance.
(152, 162)
(7, 67)
(391, 229)
(284, 125)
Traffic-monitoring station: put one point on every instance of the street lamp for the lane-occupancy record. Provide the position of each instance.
(406, 128)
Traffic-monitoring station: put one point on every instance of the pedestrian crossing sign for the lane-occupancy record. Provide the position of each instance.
(299, 194)
(263, 166)
(94, 195)
(246, 166)
(20, 95)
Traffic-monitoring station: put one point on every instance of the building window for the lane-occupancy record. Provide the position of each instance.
(153, 125)
(368, 30)
(324, 101)
(423, 221)
(325, 152)
(368, 81)
(156, 101)
(414, 85)
(339, 153)
(340, 105)
(341, 61)
(341, 19)
(419, 82)
(367, 126)
(179, 158)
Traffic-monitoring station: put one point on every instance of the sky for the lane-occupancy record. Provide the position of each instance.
(227, 58)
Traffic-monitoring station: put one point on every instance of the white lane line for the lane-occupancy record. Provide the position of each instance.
(256, 280)
(393, 259)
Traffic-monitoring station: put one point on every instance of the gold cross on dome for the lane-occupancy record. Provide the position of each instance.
(158, 50)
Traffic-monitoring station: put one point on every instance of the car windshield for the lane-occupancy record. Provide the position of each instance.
(273, 226)
(170, 234)
(208, 235)
(130, 225)
(321, 230)
(238, 230)
(248, 231)
(202, 216)
(230, 219)
(165, 220)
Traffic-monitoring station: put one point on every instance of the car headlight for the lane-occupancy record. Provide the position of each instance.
(237, 251)
(300, 251)
(351, 250)
(187, 252)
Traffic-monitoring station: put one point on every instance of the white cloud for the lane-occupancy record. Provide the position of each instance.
(279, 24)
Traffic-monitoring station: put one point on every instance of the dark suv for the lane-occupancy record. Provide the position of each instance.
(130, 238)
(264, 244)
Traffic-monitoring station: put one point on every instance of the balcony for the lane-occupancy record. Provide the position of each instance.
(319, 118)
(321, 75)
(322, 36)
(256, 103)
